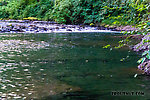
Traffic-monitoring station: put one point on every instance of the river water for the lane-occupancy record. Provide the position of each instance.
(71, 66)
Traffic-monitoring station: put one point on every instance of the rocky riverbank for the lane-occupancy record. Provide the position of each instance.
(27, 26)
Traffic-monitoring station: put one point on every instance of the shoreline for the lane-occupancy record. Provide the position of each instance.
(27, 26)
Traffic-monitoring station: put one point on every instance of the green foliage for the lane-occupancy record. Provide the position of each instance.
(4, 13)
(38, 9)
(112, 12)
(85, 11)
(142, 17)
(61, 11)
(19, 9)
(107, 46)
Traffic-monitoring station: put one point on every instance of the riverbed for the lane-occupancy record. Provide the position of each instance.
(27, 26)
(68, 66)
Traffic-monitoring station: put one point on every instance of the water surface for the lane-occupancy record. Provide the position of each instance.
(71, 66)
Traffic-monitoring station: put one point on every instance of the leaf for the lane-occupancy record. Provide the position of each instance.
(144, 53)
(91, 24)
(148, 23)
(148, 56)
(141, 60)
(107, 46)
(122, 59)
(135, 75)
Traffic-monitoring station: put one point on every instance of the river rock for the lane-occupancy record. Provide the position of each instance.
(44, 27)
(101, 28)
(68, 30)
(57, 28)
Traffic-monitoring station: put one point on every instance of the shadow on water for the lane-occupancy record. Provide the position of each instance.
(78, 95)
(68, 67)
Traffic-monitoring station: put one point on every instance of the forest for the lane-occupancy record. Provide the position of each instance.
(112, 12)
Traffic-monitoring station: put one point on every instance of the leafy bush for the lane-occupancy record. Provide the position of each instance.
(62, 11)
(3, 12)
(19, 9)
(76, 11)
(38, 9)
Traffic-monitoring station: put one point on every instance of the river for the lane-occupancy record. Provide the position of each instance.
(68, 66)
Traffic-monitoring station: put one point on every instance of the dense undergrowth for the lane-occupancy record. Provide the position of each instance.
(112, 12)
(93, 12)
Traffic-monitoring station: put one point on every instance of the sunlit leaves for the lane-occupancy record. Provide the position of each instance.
(141, 60)
(107, 46)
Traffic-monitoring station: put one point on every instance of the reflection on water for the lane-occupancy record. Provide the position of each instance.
(67, 67)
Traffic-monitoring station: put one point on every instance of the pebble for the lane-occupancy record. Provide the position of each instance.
(26, 70)
(25, 26)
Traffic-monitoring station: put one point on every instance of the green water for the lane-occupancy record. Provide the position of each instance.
(72, 66)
